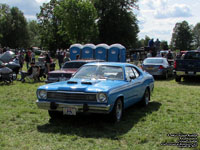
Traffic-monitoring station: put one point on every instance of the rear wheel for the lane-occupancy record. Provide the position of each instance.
(55, 114)
(178, 79)
(166, 75)
(146, 98)
(117, 111)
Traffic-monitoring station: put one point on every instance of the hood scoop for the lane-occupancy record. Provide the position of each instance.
(72, 82)
(88, 83)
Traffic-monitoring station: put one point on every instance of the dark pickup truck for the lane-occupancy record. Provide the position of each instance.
(188, 65)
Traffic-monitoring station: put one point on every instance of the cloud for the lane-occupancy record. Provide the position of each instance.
(154, 4)
(42, 1)
(29, 7)
(175, 11)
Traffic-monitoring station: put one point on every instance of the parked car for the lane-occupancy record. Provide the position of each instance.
(7, 58)
(188, 66)
(66, 71)
(102, 87)
(158, 66)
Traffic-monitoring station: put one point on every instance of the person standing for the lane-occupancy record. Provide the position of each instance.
(27, 59)
(21, 59)
(60, 58)
(48, 61)
(33, 57)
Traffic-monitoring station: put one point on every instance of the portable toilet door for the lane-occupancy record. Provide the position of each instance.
(75, 50)
(113, 54)
(101, 52)
(122, 55)
(88, 51)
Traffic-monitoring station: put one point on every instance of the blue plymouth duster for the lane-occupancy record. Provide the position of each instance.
(103, 87)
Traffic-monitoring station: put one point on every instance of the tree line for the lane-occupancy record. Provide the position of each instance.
(61, 23)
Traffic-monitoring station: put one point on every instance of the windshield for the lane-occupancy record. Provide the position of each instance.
(153, 61)
(73, 65)
(100, 72)
(192, 55)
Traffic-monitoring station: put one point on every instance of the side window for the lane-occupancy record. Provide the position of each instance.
(137, 74)
(129, 73)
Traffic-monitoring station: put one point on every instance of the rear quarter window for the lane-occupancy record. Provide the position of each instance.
(192, 55)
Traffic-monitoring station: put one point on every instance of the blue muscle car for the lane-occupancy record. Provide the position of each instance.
(103, 87)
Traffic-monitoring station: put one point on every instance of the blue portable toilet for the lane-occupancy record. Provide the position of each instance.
(75, 50)
(117, 53)
(101, 52)
(113, 53)
(88, 51)
(122, 55)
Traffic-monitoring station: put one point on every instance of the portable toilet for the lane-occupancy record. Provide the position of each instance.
(75, 50)
(101, 51)
(113, 53)
(88, 51)
(122, 55)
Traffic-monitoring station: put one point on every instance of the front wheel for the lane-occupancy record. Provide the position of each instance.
(55, 114)
(117, 111)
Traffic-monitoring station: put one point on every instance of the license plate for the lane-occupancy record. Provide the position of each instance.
(191, 72)
(69, 111)
(150, 68)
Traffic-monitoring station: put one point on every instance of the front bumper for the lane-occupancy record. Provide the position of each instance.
(58, 106)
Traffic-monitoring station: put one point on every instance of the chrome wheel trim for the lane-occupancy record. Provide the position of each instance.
(119, 110)
(146, 97)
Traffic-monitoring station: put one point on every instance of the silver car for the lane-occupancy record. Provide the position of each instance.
(157, 66)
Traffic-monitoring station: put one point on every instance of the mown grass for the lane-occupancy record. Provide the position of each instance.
(174, 109)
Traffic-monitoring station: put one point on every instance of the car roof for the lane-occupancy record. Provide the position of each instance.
(86, 60)
(155, 58)
(120, 64)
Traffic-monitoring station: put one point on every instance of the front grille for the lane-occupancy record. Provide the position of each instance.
(70, 96)
(57, 75)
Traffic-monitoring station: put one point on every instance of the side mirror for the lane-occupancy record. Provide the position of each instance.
(132, 77)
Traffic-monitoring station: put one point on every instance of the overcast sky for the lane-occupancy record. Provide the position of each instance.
(157, 18)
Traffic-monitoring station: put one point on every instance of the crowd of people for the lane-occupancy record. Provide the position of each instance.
(62, 56)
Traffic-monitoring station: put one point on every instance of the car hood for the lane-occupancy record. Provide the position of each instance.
(64, 71)
(80, 85)
(7, 56)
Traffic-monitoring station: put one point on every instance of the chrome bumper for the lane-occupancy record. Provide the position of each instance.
(57, 106)
(184, 73)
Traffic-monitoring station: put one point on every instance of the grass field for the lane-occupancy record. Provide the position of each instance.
(175, 108)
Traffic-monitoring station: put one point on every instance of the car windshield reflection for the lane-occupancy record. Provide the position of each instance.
(100, 72)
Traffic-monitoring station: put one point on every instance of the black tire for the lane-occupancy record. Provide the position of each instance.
(178, 79)
(14, 76)
(146, 98)
(116, 114)
(166, 76)
(55, 114)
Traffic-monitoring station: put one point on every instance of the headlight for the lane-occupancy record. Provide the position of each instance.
(101, 97)
(42, 94)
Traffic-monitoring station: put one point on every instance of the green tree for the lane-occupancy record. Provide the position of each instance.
(144, 42)
(34, 34)
(49, 27)
(116, 22)
(164, 45)
(78, 21)
(182, 36)
(196, 33)
(13, 27)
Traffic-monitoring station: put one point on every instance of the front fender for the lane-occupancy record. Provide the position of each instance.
(112, 99)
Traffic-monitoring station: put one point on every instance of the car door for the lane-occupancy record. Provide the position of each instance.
(132, 92)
